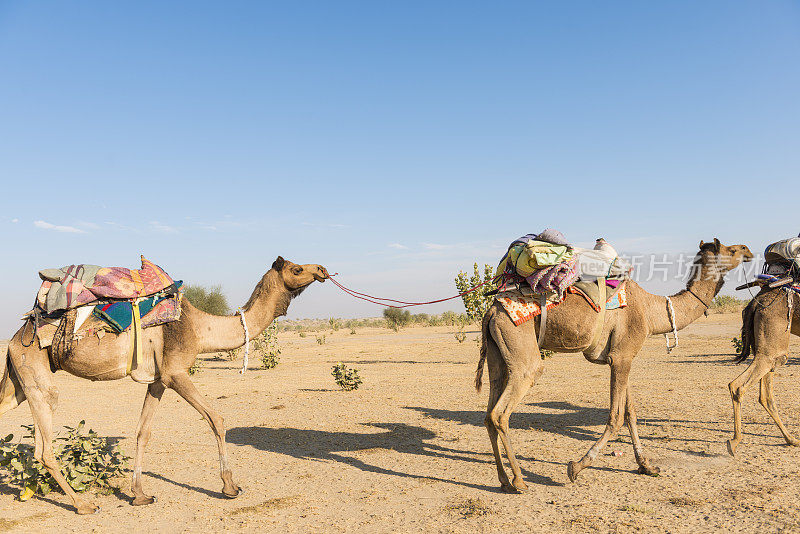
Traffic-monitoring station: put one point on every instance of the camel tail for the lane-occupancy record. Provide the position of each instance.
(482, 360)
(11, 394)
(748, 336)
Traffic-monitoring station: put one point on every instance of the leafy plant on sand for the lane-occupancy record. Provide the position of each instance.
(396, 318)
(738, 346)
(266, 344)
(476, 303)
(195, 368)
(208, 299)
(88, 461)
(321, 339)
(347, 379)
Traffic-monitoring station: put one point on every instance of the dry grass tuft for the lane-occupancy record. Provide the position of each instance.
(469, 508)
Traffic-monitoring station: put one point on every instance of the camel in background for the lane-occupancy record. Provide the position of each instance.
(515, 363)
(173, 346)
(768, 322)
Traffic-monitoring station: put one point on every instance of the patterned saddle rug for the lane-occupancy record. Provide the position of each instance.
(79, 285)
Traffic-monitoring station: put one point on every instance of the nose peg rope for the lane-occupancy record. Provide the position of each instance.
(401, 303)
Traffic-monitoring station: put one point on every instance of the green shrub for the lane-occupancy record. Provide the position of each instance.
(321, 339)
(738, 346)
(87, 462)
(546, 353)
(396, 318)
(195, 368)
(335, 323)
(476, 303)
(210, 300)
(347, 379)
(266, 344)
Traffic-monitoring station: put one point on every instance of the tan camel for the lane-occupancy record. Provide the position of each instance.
(515, 363)
(175, 347)
(766, 329)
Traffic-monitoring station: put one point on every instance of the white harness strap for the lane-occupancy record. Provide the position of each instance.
(542, 319)
(246, 342)
(790, 303)
(674, 327)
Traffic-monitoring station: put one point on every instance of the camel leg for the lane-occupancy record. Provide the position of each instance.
(619, 387)
(42, 398)
(638, 451)
(151, 401)
(496, 387)
(184, 387)
(518, 385)
(767, 400)
(760, 366)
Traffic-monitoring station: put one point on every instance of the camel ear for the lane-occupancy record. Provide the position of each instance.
(278, 263)
(702, 243)
(717, 244)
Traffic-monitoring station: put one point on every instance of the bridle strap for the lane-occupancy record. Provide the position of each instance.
(698, 298)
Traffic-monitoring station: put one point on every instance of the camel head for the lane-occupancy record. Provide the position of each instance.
(724, 258)
(298, 277)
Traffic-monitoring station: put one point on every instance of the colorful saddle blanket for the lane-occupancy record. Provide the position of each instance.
(79, 285)
(523, 307)
(153, 311)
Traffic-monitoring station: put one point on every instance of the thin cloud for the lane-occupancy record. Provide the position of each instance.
(397, 246)
(57, 228)
(435, 246)
(15, 220)
(163, 228)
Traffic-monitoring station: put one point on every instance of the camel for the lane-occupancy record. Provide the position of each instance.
(514, 360)
(767, 324)
(26, 370)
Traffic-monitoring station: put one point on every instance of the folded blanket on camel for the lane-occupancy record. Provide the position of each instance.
(523, 306)
(78, 285)
(153, 311)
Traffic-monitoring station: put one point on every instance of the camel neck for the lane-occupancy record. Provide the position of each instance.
(227, 332)
(688, 304)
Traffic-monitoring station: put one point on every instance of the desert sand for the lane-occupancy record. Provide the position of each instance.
(408, 451)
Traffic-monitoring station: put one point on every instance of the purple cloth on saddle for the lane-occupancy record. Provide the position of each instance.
(556, 278)
(613, 283)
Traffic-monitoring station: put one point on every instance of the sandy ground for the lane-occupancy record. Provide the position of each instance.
(408, 451)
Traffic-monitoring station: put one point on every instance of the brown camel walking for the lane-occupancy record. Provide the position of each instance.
(515, 363)
(767, 324)
(26, 371)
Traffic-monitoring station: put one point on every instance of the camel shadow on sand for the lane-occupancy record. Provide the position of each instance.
(337, 446)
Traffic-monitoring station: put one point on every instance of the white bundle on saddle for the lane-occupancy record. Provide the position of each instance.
(783, 256)
(601, 261)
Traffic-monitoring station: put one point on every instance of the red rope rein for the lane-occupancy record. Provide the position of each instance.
(402, 304)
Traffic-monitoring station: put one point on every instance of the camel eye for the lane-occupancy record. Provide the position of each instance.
(297, 270)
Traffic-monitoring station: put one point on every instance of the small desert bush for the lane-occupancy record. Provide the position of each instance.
(208, 299)
(727, 304)
(195, 368)
(88, 461)
(738, 346)
(546, 353)
(476, 302)
(335, 323)
(396, 318)
(347, 379)
(321, 339)
(266, 344)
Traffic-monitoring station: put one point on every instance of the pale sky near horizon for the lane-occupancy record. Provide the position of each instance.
(393, 142)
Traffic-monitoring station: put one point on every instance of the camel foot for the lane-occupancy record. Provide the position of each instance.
(732, 446)
(232, 493)
(649, 471)
(86, 508)
(143, 500)
(508, 488)
(519, 484)
(572, 471)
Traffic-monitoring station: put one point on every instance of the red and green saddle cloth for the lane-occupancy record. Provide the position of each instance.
(78, 285)
(153, 311)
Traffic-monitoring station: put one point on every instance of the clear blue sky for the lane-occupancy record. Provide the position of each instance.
(394, 142)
